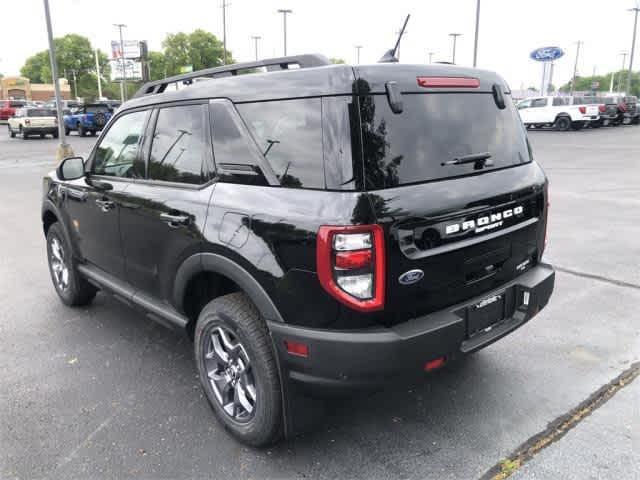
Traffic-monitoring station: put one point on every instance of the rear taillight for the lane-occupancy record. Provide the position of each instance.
(448, 82)
(622, 107)
(602, 108)
(583, 110)
(351, 265)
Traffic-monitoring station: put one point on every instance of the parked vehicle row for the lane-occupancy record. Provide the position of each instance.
(577, 112)
(84, 119)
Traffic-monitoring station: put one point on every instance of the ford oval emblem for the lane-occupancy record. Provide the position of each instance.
(411, 277)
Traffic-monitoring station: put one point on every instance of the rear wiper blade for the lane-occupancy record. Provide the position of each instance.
(480, 159)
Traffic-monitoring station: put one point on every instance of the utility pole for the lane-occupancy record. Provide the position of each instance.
(75, 84)
(475, 42)
(98, 75)
(633, 48)
(575, 67)
(255, 41)
(454, 36)
(224, 31)
(430, 56)
(123, 80)
(358, 47)
(284, 26)
(64, 150)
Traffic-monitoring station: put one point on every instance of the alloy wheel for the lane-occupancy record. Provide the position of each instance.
(230, 374)
(58, 264)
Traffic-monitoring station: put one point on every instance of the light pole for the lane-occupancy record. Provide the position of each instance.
(224, 31)
(624, 58)
(430, 56)
(633, 48)
(284, 13)
(575, 66)
(64, 150)
(454, 36)
(358, 48)
(255, 39)
(475, 42)
(123, 80)
(98, 75)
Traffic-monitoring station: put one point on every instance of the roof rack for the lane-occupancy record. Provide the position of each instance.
(271, 64)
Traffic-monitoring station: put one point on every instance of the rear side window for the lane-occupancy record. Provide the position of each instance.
(179, 147)
(557, 101)
(97, 109)
(289, 136)
(412, 146)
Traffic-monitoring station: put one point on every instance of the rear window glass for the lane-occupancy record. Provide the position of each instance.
(40, 112)
(14, 104)
(411, 147)
(97, 109)
(289, 135)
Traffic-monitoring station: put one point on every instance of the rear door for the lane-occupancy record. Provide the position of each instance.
(162, 221)
(468, 227)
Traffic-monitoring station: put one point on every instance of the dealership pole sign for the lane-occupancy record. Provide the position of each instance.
(546, 55)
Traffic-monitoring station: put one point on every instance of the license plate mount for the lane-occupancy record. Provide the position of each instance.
(483, 315)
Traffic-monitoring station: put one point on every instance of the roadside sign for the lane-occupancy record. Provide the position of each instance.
(134, 70)
(131, 49)
(546, 54)
(595, 85)
(186, 69)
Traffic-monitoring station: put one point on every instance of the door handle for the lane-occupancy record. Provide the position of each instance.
(174, 220)
(105, 205)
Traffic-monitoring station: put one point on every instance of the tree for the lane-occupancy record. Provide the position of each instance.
(157, 66)
(604, 81)
(73, 53)
(200, 49)
(336, 60)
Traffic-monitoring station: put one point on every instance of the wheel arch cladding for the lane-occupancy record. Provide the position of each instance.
(48, 218)
(223, 266)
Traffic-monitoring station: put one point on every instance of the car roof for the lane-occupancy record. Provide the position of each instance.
(315, 81)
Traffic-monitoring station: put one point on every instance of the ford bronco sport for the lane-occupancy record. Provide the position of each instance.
(314, 229)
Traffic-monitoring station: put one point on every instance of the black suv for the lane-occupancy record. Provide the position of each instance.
(315, 229)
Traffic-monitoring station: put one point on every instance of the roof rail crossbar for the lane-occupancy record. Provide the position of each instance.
(270, 64)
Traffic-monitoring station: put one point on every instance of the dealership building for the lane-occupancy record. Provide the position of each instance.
(20, 88)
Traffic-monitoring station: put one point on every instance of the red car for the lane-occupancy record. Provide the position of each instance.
(8, 108)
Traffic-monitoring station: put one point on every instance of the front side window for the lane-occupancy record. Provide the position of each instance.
(289, 136)
(180, 145)
(118, 150)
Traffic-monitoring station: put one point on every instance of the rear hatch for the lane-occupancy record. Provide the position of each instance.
(470, 227)
(41, 117)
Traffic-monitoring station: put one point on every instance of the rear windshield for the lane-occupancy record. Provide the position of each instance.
(97, 109)
(433, 128)
(40, 112)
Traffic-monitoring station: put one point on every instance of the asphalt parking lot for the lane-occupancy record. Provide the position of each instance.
(102, 392)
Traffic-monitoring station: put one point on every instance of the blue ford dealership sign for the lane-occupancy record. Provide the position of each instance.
(546, 54)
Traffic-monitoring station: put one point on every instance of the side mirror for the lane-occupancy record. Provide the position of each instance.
(71, 168)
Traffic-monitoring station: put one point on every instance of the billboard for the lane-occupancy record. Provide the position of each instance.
(131, 49)
(546, 54)
(132, 68)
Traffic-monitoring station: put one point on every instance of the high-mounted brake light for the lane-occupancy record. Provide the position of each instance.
(448, 82)
(351, 265)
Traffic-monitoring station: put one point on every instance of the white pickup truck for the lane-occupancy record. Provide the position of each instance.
(556, 112)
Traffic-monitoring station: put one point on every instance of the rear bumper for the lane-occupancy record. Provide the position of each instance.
(344, 360)
(37, 130)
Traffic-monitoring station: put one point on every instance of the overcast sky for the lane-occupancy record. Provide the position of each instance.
(509, 29)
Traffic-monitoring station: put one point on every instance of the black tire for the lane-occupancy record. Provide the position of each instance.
(577, 125)
(635, 120)
(238, 318)
(42, 135)
(562, 123)
(596, 124)
(55, 134)
(12, 134)
(77, 291)
(67, 131)
(92, 133)
(25, 135)
(81, 131)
